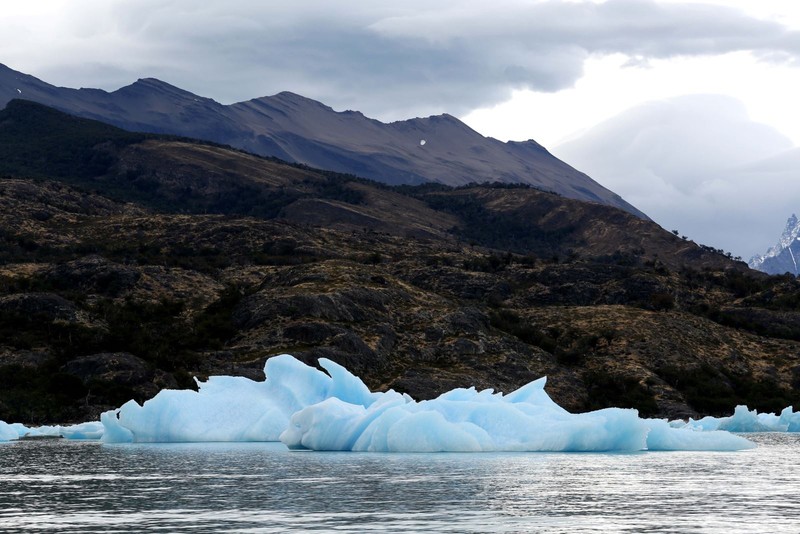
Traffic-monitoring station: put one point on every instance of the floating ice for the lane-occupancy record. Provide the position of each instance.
(745, 420)
(663, 437)
(7, 432)
(308, 409)
(228, 408)
(90, 430)
(479, 423)
(466, 420)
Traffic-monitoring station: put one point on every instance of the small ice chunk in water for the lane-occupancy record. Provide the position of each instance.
(90, 430)
(664, 437)
(745, 420)
(7, 432)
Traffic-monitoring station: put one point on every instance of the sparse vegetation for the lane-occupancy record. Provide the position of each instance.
(511, 322)
(202, 274)
(606, 389)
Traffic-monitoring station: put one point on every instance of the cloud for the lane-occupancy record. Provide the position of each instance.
(697, 164)
(389, 59)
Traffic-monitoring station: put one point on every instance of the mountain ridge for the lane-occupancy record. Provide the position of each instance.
(169, 172)
(301, 130)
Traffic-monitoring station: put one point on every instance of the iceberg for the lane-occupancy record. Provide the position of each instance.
(84, 431)
(228, 408)
(333, 410)
(478, 423)
(664, 437)
(745, 420)
(92, 430)
(7, 432)
(466, 420)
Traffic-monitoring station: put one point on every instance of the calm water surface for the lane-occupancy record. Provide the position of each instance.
(62, 486)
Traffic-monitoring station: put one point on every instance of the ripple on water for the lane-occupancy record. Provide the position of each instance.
(62, 486)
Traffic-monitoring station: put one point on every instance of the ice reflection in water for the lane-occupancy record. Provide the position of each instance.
(88, 487)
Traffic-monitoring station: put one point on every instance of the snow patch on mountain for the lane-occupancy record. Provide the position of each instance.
(784, 254)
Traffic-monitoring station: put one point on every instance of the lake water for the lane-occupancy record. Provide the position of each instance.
(63, 486)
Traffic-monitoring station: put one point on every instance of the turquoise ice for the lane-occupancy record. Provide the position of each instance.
(307, 408)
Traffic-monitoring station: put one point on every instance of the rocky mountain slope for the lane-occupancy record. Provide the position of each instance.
(783, 257)
(437, 149)
(132, 262)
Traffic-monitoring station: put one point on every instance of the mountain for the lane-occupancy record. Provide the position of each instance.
(172, 174)
(293, 128)
(783, 257)
(131, 262)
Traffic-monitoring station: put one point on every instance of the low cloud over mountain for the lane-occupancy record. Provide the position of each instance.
(389, 60)
(697, 164)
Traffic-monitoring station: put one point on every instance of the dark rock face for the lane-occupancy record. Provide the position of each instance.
(110, 379)
(117, 367)
(95, 275)
(311, 332)
(40, 306)
(348, 306)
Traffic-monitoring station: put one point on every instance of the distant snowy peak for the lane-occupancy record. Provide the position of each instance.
(785, 255)
(790, 233)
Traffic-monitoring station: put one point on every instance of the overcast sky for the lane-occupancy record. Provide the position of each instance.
(595, 73)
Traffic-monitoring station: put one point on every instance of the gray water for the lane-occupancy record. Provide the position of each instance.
(63, 486)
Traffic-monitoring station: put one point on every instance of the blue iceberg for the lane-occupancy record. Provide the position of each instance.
(466, 420)
(7, 432)
(746, 420)
(228, 408)
(306, 408)
(89, 431)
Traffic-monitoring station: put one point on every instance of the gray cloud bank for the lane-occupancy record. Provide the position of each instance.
(390, 60)
(697, 164)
